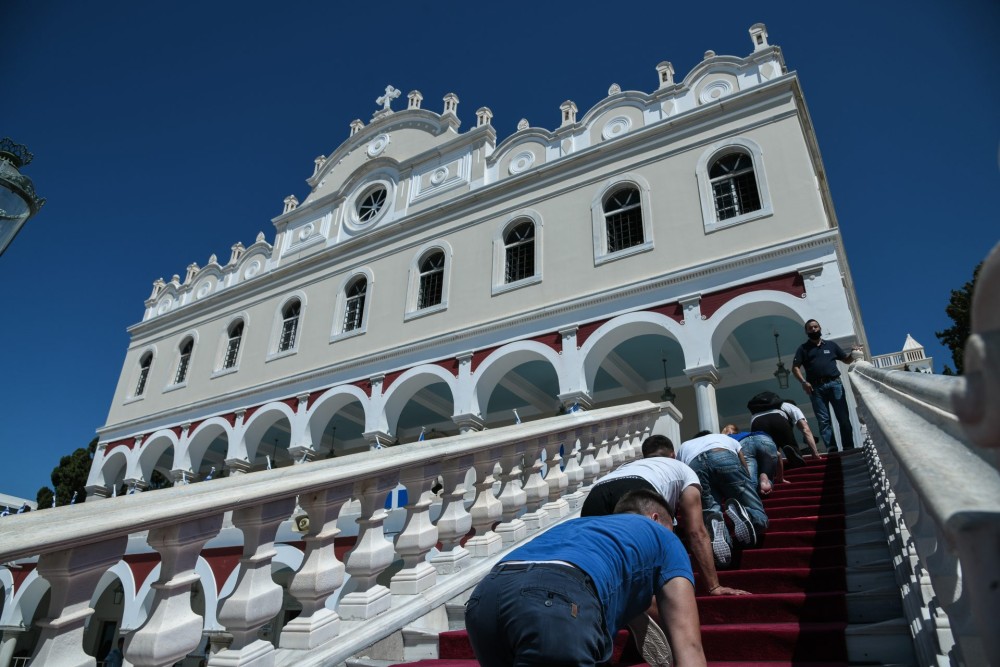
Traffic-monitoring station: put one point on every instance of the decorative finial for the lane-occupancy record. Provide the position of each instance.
(614, 89)
(386, 100)
(522, 124)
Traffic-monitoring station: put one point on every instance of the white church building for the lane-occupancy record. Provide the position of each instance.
(668, 243)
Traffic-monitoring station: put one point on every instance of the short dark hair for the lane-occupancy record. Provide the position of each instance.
(702, 433)
(808, 321)
(642, 501)
(657, 445)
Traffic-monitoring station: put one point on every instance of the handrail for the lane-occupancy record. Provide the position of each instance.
(29, 534)
(942, 492)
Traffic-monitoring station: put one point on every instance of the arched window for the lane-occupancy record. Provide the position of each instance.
(235, 337)
(734, 185)
(371, 203)
(354, 304)
(145, 363)
(289, 326)
(184, 361)
(623, 219)
(519, 252)
(431, 283)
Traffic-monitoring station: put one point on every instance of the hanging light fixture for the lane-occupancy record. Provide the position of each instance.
(781, 373)
(667, 395)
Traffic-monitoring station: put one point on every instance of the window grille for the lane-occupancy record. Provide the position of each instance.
(354, 310)
(371, 204)
(289, 327)
(182, 363)
(431, 281)
(144, 365)
(233, 346)
(623, 217)
(734, 186)
(520, 252)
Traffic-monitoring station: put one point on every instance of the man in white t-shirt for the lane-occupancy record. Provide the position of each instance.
(678, 484)
(722, 473)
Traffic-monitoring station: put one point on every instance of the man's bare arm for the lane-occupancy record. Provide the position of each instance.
(807, 434)
(679, 620)
(689, 509)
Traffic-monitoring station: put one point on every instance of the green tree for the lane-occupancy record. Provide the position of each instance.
(959, 309)
(69, 476)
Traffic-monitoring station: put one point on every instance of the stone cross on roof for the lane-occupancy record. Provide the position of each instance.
(386, 100)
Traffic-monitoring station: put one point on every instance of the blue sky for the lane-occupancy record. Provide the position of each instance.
(165, 132)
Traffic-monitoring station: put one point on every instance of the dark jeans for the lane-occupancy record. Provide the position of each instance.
(722, 477)
(761, 454)
(832, 393)
(536, 614)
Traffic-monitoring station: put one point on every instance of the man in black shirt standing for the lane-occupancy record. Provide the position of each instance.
(822, 383)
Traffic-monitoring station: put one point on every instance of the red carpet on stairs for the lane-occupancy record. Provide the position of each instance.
(797, 614)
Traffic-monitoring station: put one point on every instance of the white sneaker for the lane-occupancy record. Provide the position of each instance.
(720, 547)
(742, 526)
(651, 641)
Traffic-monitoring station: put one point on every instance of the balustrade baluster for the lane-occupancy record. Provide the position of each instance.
(590, 439)
(455, 521)
(603, 458)
(556, 478)
(574, 469)
(616, 438)
(372, 553)
(321, 572)
(535, 489)
(173, 630)
(73, 575)
(419, 534)
(256, 598)
(512, 497)
(486, 510)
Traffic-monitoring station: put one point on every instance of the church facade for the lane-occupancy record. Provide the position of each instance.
(666, 245)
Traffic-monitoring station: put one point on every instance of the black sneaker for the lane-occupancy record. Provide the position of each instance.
(792, 458)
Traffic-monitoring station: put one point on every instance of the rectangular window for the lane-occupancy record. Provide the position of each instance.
(288, 330)
(232, 351)
(141, 384)
(624, 229)
(354, 312)
(182, 368)
(431, 288)
(520, 261)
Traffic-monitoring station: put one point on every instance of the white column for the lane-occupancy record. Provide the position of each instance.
(372, 553)
(72, 575)
(455, 521)
(172, 630)
(704, 379)
(7, 645)
(256, 599)
(419, 534)
(321, 572)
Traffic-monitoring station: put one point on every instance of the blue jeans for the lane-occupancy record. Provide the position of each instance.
(761, 454)
(722, 477)
(536, 614)
(832, 393)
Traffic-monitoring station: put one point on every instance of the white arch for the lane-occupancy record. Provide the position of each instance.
(332, 402)
(26, 599)
(752, 306)
(151, 451)
(199, 440)
(505, 359)
(264, 418)
(7, 589)
(408, 384)
(619, 329)
(114, 461)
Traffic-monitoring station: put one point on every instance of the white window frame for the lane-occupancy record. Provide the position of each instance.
(340, 310)
(599, 221)
(413, 287)
(381, 178)
(220, 355)
(193, 336)
(500, 252)
(705, 192)
(277, 325)
(133, 382)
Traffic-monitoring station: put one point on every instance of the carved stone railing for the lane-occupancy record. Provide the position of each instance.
(76, 545)
(934, 451)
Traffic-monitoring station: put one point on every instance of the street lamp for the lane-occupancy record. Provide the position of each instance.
(781, 373)
(18, 200)
(667, 394)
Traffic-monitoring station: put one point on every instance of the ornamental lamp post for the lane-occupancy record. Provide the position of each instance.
(18, 200)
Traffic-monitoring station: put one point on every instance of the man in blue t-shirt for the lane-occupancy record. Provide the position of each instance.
(561, 598)
(822, 383)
